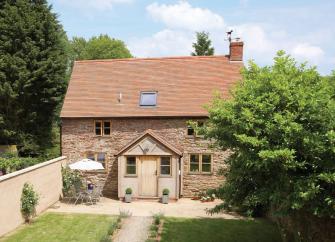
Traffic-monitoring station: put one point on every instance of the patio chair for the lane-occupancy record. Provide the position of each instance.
(96, 194)
(79, 193)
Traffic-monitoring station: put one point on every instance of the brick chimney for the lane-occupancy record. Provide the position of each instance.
(236, 50)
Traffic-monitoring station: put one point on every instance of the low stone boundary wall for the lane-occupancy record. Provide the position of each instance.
(46, 178)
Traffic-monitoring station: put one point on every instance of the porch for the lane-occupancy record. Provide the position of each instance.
(147, 166)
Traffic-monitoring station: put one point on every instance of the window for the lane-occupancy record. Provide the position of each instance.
(206, 163)
(165, 165)
(102, 127)
(201, 163)
(131, 165)
(98, 128)
(97, 156)
(90, 155)
(101, 159)
(191, 131)
(148, 99)
(194, 163)
(107, 128)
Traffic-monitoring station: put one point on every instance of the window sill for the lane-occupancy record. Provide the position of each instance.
(200, 173)
(195, 136)
(97, 171)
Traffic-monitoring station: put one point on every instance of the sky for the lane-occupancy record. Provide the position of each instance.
(304, 29)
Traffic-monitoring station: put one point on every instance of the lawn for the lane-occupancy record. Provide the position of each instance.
(218, 230)
(64, 227)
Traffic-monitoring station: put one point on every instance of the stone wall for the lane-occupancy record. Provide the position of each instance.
(78, 138)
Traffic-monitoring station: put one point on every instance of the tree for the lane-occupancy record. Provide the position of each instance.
(32, 73)
(98, 47)
(280, 126)
(77, 46)
(203, 45)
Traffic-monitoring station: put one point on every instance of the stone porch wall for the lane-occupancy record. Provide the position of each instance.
(78, 138)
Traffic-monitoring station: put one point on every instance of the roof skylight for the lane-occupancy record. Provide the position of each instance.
(148, 99)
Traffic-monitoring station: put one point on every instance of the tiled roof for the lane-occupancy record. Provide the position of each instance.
(183, 84)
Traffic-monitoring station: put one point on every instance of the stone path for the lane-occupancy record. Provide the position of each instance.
(134, 229)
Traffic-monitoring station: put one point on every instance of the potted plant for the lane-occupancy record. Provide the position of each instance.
(165, 197)
(127, 197)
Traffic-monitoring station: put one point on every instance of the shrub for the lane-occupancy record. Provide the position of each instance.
(157, 218)
(279, 124)
(129, 190)
(29, 200)
(71, 180)
(166, 191)
(10, 163)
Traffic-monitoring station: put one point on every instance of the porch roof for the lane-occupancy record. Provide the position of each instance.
(156, 137)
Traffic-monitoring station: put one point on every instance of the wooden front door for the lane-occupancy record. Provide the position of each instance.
(148, 176)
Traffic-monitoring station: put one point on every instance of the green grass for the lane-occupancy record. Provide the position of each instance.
(64, 227)
(218, 230)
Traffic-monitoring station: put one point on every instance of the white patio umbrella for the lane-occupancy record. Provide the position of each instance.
(86, 165)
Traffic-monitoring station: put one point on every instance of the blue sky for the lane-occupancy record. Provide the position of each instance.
(304, 29)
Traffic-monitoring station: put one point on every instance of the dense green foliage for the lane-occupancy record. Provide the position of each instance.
(10, 163)
(280, 125)
(32, 73)
(218, 230)
(129, 190)
(71, 181)
(165, 191)
(66, 227)
(203, 45)
(98, 47)
(29, 201)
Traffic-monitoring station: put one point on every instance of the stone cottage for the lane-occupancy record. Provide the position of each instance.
(132, 115)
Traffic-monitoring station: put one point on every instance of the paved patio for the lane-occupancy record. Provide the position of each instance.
(182, 208)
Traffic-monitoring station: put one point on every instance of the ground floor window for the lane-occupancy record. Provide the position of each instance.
(131, 165)
(97, 156)
(200, 163)
(194, 163)
(165, 165)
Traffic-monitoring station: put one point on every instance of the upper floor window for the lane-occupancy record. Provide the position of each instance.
(148, 99)
(191, 131)
(200, 163)
(102, 127)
